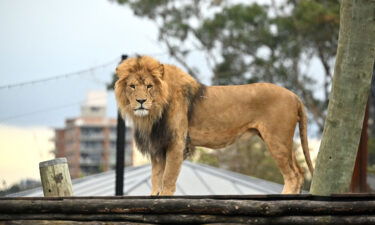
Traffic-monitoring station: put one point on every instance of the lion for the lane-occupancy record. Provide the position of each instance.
(172, 113)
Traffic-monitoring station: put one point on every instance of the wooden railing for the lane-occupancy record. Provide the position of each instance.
(250, 209)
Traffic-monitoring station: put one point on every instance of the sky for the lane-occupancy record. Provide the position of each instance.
(20, 159)
(42, 38)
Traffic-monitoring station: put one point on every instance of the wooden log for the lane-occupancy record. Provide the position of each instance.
(193, 210)
(55, 178)
(187, 206)
(62, 222)
(202, 219)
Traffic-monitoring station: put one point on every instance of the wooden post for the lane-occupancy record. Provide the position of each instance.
(55, 178)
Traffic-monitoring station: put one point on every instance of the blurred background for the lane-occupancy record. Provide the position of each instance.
(57, 62)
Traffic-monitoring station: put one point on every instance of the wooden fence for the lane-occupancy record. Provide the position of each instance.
(250, 209)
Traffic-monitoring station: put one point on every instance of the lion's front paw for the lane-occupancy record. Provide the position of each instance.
(155, 193)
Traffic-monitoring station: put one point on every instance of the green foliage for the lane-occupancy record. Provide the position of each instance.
(248, 157)
(320, 19)
(206, 156)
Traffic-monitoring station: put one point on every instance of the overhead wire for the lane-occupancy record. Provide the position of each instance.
(71, 74)
(61, 76)
(45, 110)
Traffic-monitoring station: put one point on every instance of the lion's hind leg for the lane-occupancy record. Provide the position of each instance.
(282, 153)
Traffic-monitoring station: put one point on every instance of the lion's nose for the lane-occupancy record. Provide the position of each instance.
(141, 101)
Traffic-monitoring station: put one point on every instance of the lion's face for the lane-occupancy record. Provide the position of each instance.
(140, 94)
(140, 90)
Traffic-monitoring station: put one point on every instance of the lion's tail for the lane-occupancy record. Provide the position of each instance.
(303, 135)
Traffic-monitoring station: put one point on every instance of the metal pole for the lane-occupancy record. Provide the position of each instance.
(120, 151)
(120, 155)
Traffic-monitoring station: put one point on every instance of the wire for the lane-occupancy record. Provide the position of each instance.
(61, 76)
(45, 110)
(38, 111)
(68, 75)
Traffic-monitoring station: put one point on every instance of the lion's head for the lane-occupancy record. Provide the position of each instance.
(140, 90)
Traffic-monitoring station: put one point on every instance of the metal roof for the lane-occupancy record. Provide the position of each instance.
(194, 179)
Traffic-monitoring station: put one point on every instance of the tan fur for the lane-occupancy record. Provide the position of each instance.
(219, 117)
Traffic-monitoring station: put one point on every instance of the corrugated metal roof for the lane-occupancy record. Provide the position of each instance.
(194, 179)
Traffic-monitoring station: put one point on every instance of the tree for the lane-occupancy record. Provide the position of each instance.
(245, 43)
(351, 85)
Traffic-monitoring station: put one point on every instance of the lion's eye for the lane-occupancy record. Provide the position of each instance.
(149, 86)
(132, 86)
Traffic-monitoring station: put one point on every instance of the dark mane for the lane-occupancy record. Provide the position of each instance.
(157, 142)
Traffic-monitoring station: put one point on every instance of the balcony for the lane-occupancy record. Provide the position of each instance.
(92, 137)
(88, 162)
(91, 150)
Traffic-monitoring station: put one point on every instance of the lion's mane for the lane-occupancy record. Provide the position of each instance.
(153, 134)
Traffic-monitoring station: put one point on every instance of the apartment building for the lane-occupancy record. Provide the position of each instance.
(89, 141)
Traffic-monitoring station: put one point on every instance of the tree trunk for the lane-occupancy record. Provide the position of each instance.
(350, 88)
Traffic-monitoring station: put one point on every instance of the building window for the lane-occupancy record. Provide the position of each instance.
(92, 132)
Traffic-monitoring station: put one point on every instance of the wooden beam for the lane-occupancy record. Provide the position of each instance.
(67, 222)
(32, 208)
(203, 219)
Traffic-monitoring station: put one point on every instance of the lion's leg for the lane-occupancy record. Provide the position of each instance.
(292, 175)
(173, 164)
(300, 172)
(283, 154)
(157, 172)
(178, 123)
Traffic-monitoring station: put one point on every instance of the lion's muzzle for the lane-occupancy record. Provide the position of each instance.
(141, 110)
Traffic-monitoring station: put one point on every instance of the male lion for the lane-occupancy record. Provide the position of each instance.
(172, 113)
